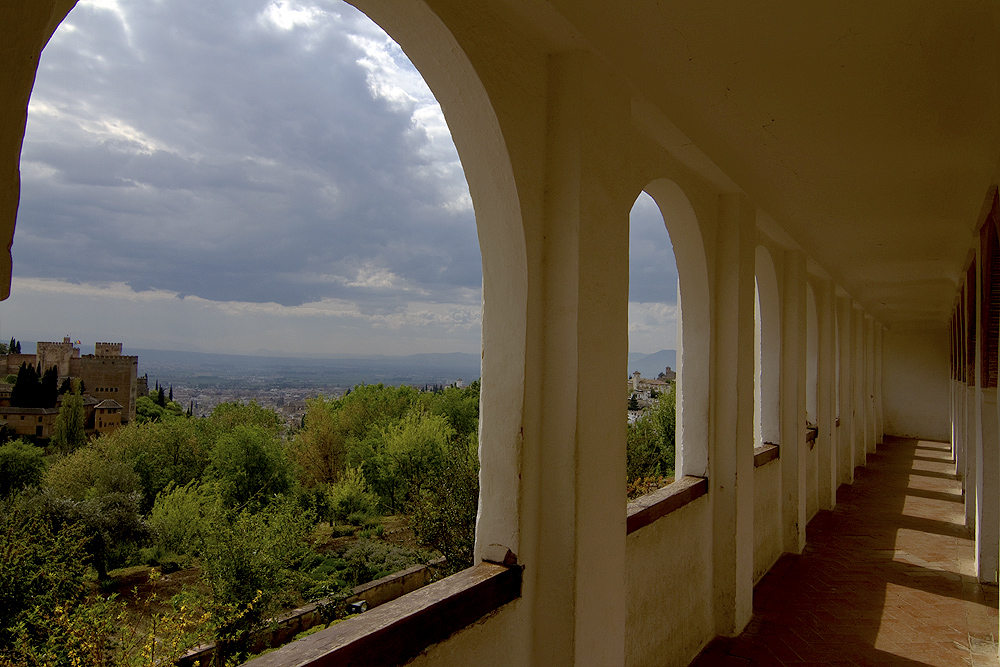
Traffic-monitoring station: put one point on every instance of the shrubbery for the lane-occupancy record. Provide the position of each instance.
(232, 495)
(650, 449)
(21, 466)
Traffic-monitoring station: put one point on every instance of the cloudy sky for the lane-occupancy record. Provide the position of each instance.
(248, 176)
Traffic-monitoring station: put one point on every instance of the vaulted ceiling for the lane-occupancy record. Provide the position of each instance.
(870, 131)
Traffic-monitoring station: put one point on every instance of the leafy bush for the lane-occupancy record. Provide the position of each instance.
(41, 569)
(368, 560)
(96, 469)
(21, 465)
(178, 518)
(444, 511)
(250, 562)
(351, 500)
(249, 466)
(112, 524)
(650, 449)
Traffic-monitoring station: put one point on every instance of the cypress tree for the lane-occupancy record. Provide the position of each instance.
(48, 389)
(69, 431)
(25, 393)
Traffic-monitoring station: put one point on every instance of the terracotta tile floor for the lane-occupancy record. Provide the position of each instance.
(887, 577)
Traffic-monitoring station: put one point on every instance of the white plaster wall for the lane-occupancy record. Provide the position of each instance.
(668, 582)
(499, 639)
(915, 384)
(766, 517)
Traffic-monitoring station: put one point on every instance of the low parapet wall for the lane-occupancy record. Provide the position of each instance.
(286, 626)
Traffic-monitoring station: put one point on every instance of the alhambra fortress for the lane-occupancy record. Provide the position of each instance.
(109, 381)
(827, 173)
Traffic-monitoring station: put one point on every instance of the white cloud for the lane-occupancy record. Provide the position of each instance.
(43, 308)
(275, 161)
(651, 326)
(371, 276)
(115, 8)
(287, 15)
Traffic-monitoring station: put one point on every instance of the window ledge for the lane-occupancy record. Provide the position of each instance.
(396, 631)
(764, 454)
(647, 509)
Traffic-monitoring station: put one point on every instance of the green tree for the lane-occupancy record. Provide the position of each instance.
(226, 417)
(25, 393)
(444, 509)
(650, 447)
(459, 406)
(160, 453)
(146, 410)
(403, 455)
(95, 469)
(249, 565)
(249, 466)
(179, 518)
(21, 465)
(69, 432)
(111, 522)
(48, 389)
(319, 448)
(40, 569)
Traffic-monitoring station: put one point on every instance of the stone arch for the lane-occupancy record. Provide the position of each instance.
(767, 351)
(694, 325)
(475, 129)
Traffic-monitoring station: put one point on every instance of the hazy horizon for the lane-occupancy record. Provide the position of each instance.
(263, 175)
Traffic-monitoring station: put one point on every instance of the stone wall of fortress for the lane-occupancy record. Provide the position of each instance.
(106, 374)
(111, 377)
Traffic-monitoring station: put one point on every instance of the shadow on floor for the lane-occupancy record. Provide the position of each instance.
(887, 578)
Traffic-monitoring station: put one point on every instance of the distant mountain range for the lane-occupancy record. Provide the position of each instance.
(208, 369)
(651, 365)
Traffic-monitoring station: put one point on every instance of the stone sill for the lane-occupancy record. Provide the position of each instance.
(397, 631)
(652, 506)
(764, 454)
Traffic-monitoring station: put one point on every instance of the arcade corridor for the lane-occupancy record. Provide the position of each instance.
(886, 578)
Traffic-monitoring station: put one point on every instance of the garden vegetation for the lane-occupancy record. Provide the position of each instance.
(253, 506)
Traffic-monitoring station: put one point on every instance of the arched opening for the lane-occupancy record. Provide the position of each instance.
(767, 352)
(694, 327)
(653, 325)
(475, 130)
(474, 127)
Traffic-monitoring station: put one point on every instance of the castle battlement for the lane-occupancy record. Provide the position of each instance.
(108, 349)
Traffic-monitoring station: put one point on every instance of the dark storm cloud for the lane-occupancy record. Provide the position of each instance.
(194, 147)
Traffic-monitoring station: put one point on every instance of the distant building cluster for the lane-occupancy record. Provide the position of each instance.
(643, 392)
(109, 381)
